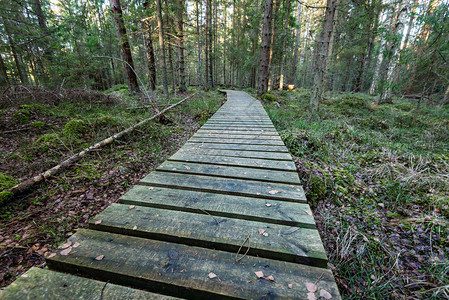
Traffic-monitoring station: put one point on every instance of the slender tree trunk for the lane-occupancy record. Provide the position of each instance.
(3, 70)
(199, 71)
(147, 28)
(273, 33)
(330, 52)
(209, 68)
(125, 49)
(284, 44)
(446, 97)
(264, 73)
(169, 46)
(293, 75)
(181, 64)
(225, 33)
(14, 51)
(162, 47)
(395, 50)
(323, 55)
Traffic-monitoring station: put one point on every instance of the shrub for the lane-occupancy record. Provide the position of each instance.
(75, 128)
(268, 97)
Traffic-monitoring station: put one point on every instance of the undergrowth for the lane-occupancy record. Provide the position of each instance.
(377, 177)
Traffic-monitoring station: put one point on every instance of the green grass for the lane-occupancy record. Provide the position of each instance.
(365, 166)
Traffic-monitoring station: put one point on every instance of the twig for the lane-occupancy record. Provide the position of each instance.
(237, 259)
(102, 290)
(216, 221)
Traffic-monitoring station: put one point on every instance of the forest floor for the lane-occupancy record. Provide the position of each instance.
(377, 178)
(37, 136)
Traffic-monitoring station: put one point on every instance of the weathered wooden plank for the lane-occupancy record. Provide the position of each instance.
(193, 149)
(293, 244)
(37, 283)
(286, 166)
(254, 189)
(237, 136)
(245, 123)
(230, 172)
(182, 271)
(242, 132)
(239, 128)
(252, 141)
(254, 209)
(245, 147)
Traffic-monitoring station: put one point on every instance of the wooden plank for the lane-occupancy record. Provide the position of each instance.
(242, 132)
(230, 172)
(193, 149)
(237, 136)
(231, 126)
(246, 128)
(237, 187)
(253, 209)
(37, 283)
(293, 244)
(245, 147)
(252, 141)
(286, 166)
(182, 271)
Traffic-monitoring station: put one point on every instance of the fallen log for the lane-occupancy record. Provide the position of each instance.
(26, 184)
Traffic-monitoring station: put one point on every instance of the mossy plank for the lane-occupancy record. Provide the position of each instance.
(286, 166)
(245, 147)
(253, 141)
(194, 149)
(182, 271)
(246, 132)
(255, 189)
(245, 208)
(37, 283)
(293, 244)
(230, 172)
(246, 128)
(237, 136)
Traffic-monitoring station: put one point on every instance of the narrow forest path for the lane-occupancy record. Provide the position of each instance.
(225, 216)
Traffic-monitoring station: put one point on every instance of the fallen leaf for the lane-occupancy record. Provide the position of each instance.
(272, 192)
(245, 173)
(265, 234)
(135, 227)
(259, 274)
(187, 167)
(212, 275)
(98, 222)
(99, 257)
(267, 204)
(150, 188)
(66, 251)
(309, 212)
(260, 231)
(325, 294)
(311, 287)
(51, 255)
(66, 244)
(269, 187)
(290, 286)
(270, 278)
(131, 206)
(76, 245)
(311, 296)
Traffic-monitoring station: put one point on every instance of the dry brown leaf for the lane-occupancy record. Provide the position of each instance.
(270, 278)
(66, 244)
(187, 167)
(66, 251)
(325, 294)
(265, 234)
(309, 212)
(135, 227)
(267, 204)
(98, 222)
(76, 245)
(99, 257)
(212, 275)
(51, 255)
(272, 192)
(259, 274)
(290, 286)
(311, 296)
(311, 287)
(131, 206)
(261, 231)
(150, 188)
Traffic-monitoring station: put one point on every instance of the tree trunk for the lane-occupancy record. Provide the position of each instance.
(330, 52)
(125, 49)
(149, 50)
(199, 71)
(169, 43)
(209, 63)
(273, 33)
(323, 55)
(446, 97)
(264, 73)
(42, 24)
(162, 47)
(284, 44)
(181, 63)
(293, 75)
(14, 51)
(395, 50)
(3, 70)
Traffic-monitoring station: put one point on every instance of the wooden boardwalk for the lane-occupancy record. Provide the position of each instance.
(224, 217)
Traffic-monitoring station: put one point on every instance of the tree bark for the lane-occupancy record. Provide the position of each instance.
(209, 63)
(181, 63)
(293, 75)
(284, 44)
(14, 51)
(169, 27)
(322, 57)
(162, 47)
(262, 84)
(3, 70)
(125, 49)
(149, 50)
(199, 71)
(273, 33)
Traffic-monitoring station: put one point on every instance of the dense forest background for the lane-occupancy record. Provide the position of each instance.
(379, 47)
